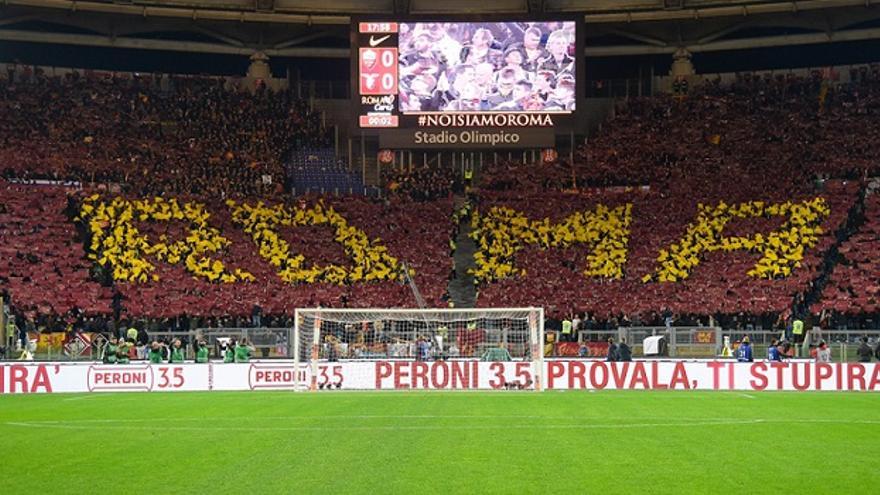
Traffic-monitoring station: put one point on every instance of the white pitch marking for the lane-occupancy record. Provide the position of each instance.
(72, 426)
(348, 416)
(684, 422)
(82, 397)
(747, 396)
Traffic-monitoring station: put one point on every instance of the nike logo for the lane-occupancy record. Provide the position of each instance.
(377, 42)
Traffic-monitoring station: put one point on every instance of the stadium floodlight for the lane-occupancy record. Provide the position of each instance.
(492, 348)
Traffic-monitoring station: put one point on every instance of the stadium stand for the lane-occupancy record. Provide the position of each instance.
(719, 144)
(41, 262)
(720, 284)
(199, 143)
(407, 230)
(720, 132)
(178, 136)
(852, 294)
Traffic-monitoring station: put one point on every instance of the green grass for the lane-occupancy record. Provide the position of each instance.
(436, 442)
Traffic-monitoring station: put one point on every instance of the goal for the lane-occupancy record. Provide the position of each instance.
(422, 349)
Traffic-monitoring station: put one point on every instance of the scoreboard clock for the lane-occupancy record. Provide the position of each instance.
(377, 68)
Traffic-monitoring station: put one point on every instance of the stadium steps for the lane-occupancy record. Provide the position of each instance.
(461, 289)
(372, 173)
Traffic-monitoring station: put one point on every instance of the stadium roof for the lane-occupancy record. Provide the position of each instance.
(319, 28)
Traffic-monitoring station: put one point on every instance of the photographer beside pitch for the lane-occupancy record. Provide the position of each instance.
(227, 350)
(109, 354)
(156, 353)
(177, 354)
(122, 352)
(202, 351)
(243, 351)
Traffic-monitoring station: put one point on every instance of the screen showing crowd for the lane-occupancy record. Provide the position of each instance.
(487, 67)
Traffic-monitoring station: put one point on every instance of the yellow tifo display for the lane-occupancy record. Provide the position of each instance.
(371, 260)
(501, 232)
(782, 250)
(118, 243)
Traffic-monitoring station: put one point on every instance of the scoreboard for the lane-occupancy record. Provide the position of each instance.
(466, 81)
(377, 74)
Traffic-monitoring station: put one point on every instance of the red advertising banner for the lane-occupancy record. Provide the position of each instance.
(565, 374)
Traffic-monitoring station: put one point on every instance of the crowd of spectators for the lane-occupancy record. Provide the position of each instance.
(422, 183)
(801, 128)
(293, 262)
(852, 293)
(41, 255)
(149, 136)
(199, 261)
(768, 154)
(188, 144)
(719, 283)
(770, 139)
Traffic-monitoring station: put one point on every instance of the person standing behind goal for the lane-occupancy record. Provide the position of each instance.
(744, 351)
(612, 350)
(499, 353)
(624, 352)
(823, 355)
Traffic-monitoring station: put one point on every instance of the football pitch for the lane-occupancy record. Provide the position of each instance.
(438, 442)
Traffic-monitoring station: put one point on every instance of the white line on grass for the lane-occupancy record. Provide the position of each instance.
(579, 426)
(747, 396)
(349, 416)
(82, 397)
(73, 425)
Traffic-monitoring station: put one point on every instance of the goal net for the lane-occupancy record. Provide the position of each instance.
(393, 349)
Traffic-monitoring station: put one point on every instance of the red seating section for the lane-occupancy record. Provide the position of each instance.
(719, 284)
(854, 286)
(761, 139)
(41, 262)
(412, 232)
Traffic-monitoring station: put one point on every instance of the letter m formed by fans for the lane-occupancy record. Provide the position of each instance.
(501, 232)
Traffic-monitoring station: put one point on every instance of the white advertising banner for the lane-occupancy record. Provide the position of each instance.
(18, 378)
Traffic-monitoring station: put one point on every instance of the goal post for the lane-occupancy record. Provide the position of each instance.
(433, 349)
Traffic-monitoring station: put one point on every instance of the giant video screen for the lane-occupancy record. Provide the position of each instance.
(511, 75)
(487, 67)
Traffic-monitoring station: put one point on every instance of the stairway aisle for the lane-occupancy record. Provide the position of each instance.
(461, 288)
